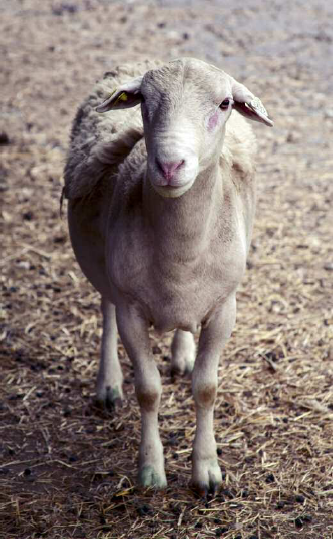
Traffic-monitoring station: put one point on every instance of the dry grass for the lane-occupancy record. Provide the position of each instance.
(67, 468)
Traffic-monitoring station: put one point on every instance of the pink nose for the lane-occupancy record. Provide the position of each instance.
(169, 169)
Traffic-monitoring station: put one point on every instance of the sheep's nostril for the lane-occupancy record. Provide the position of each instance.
(168, 169)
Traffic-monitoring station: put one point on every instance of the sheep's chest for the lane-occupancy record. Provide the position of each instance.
(172, 291)
(188, 297)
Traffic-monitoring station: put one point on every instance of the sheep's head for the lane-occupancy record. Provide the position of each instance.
(185, 106)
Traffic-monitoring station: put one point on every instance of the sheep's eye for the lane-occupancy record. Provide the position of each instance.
(225, 104)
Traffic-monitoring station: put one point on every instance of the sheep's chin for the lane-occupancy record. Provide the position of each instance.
(174, 192)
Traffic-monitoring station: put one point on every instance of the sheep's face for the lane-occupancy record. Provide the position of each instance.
(185, 106)
(184, 121)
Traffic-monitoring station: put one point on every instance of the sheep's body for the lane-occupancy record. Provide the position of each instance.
(174, 263)
(108, 154)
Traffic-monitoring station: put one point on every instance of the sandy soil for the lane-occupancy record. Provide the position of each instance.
(68, 469)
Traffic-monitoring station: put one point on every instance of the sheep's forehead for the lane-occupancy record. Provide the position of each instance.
(186, 78)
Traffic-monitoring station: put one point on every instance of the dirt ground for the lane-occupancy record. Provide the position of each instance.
(68, 469)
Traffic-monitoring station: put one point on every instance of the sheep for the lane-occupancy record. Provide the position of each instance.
(161, 202)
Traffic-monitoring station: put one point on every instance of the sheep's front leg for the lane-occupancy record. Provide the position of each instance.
(133, 330)
(206, 473)
(110, 377)
(183, 352)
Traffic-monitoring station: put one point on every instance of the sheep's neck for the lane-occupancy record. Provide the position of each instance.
(183, 225)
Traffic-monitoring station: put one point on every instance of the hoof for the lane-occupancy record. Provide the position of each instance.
(206, 491)
(206, 478)
(149, 477)
(185, 369)
(109, 398)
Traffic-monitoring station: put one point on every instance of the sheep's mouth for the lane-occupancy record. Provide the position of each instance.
(169, 186)
(172, 191)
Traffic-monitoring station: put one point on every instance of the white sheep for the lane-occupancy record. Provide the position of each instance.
(161, 204)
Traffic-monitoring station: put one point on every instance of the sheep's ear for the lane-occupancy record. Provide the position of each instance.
(248, 105)
(126, 96)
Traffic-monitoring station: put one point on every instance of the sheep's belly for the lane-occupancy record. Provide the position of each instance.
(164, 321)
(170, 310)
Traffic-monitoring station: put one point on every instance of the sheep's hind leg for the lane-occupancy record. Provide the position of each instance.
(134, 334)
(206, 473)
(110, 377)
(183, 352)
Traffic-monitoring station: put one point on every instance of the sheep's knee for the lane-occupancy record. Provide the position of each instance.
(148, 397)
(204, 394)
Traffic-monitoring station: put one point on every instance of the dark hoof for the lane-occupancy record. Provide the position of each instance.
(206, 492)
(111, 399)
(176, 372)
